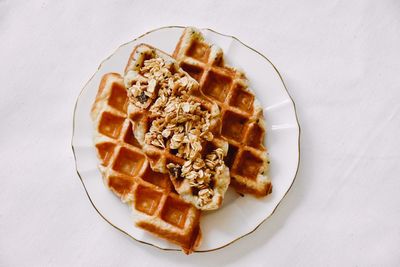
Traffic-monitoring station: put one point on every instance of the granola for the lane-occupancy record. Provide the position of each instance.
(180, 123)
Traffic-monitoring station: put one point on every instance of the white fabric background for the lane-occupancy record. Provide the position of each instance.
(341, 63)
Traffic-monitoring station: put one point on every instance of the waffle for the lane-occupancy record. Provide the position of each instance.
(127, 173)
(164, 155)
(242, 119)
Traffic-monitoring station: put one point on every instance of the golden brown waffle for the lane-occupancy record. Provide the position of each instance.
(242, 119)
(161, 157)
(126, 171)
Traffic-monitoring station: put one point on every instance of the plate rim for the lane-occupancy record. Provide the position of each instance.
(242, 43)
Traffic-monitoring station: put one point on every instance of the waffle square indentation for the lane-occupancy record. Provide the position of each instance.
(175, 212)
(199, 51)
(242, 99)
(147, 199)
(105, 151)
(255, 136)
(110, 124)
(208, 147)
(156, 178)
(230, 157)
(118, 98)
(128, 162)
(249, 165)
(233, 125)
(194, 71)
(130, 137)
(120, 184)
(217, 86)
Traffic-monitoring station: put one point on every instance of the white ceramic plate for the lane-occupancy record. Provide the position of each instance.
(238, 216)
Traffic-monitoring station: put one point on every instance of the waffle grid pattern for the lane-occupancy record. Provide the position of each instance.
(127, 172)
(242, 120)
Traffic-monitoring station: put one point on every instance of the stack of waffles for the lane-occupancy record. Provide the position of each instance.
(174, 132)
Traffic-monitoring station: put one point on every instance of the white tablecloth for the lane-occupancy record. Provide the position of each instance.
(341, 63)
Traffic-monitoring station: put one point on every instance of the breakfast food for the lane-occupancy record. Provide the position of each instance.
(242, 118)
(126, 171)
(178, 128)
(173, 132)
